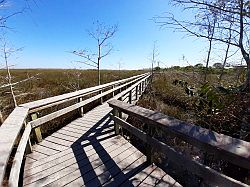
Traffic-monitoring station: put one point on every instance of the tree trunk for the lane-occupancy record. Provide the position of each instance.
(9, 77)
(1, 118)
(98, 62)
(247, 87)
(208, 58)
(99, 74)
(224, 63)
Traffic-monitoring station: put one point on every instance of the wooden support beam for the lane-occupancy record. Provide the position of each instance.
(37, 130)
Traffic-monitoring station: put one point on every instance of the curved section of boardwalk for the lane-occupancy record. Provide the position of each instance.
(87, 152)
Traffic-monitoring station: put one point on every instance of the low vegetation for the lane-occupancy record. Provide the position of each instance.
(51, 82)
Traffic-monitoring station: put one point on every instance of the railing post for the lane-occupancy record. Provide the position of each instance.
(136, 93)
(113, 93)
(142, 86)
(140, 89)
(130, 97)
(38, 133)
(149, 147)
(116, 126)
(81, 108)
(28, 146)
(101, 99)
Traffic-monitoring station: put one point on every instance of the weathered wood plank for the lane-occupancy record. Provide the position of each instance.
(105, 172)
(46, 160)
(59, 141)
(233, 150)
(29, 160)
(52, 145)
(67, 157)
(10, 130)
(65, 168)
(140, 177)
(88, 170)
(36, 155)
(18, 159)
(128, 170)
(44, 150)
(168, 181)
(159, 177)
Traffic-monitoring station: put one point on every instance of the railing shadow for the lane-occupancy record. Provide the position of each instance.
(86, 166)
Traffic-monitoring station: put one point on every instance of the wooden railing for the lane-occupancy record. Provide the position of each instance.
(16, 129)
(223, 147)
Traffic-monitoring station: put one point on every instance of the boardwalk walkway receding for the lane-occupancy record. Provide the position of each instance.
(87, 152)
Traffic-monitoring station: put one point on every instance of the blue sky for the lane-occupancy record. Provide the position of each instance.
(53, 27)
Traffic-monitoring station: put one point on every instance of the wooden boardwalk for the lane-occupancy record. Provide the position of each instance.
(87, 152)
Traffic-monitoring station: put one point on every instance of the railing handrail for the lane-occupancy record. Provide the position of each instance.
(68, 109)
(233, 150)
(12, 126)
(9, 132)
(50, 100)
(225, 147)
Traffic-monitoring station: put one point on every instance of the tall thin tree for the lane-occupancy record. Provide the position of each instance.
(101, 34)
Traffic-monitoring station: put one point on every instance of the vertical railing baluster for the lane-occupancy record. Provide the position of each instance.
(116, 126)
(28, 146)
(113, 93)
(81, 108)
(37, 130)
(149, 147)
(136, 93)
(130, 97)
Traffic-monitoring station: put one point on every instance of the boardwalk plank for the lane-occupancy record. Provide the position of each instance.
(140, 177)
(59, 141)
(70, 155)
(36, 155)
(69, 151)
(66, 168)
(106, 173)
(88, 170)
(44, 150)
(54, 146)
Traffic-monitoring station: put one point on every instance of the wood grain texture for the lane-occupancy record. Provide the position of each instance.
(9, 131)
(18, 159)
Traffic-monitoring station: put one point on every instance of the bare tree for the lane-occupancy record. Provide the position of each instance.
(7, 52)
(101, 34)
(154, 55)
(226, 10)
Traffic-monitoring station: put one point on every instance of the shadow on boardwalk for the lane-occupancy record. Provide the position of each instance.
(110, 174)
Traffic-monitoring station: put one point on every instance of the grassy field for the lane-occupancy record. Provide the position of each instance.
(51, 82)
